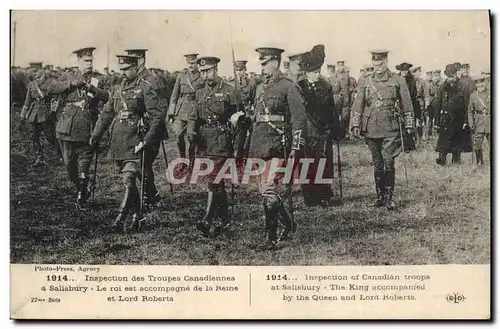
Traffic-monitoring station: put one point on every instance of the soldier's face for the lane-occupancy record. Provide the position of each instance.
(313, 76)
(436, 78)
(380, 65)
(294, 67)
(192, 66)
(241, 73)
(269, 67)
(86, 64)
(129, 72)
(404, 73)
(209, 74)
(464, 72)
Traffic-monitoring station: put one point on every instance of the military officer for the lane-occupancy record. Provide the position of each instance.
(434, 86)
(216, 103)
(450, 106)
(36, 111)
(133, 113)
(382, 104)
(280, 114)
(79, 110)
(330, 68)
(422, 100)
(479, 112)
(344, 95)
(466, 81)
(182, 107)
(152, 195)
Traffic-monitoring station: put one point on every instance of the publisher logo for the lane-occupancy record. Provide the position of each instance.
(455, 298)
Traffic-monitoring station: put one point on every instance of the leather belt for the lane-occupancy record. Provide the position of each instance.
(270, 118)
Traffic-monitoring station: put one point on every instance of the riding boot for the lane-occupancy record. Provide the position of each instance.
(83, 191)
(119, 223)
(205, 224)
(135, 207)
(270, 242)
(223, 222)
(380, 188)
(290, 225)
(390, 176)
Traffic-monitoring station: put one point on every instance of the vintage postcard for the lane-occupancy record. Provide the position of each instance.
(250, 164)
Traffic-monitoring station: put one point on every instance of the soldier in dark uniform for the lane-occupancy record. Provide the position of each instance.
(382, 105)
(182, 108)
(434, 86)
(279, 116)
(36, 111)
(133, 114)
(216, 103)
(79, 110)
(466, 82)
(404, 71)
(450, 106)
(480, 116)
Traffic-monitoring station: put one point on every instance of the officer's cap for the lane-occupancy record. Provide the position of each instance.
(486, 72)
(437, 72)
(240, 65)
(450, 70)
(86, 53)
(126, 61)
(207, 62)
(268, 53)
(465, 66)
(379, 54)
(36, 65)
(428, 72)
(191, 58)
(404, 66)
(137, 52)
(340, 63)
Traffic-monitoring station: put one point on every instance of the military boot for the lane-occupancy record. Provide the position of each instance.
(135, 207)
(270, 242)
(205, 224)
(289, 224)
(83, 191)
(223, 223)
(380, 188)
(479, 157)
(390, 176)
(119, 223)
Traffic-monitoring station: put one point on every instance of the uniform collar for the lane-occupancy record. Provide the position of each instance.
(380, 77)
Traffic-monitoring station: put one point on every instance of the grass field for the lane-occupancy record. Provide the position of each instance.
(444, 217)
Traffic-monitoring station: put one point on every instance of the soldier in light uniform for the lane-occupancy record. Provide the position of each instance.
(286, 68)
(78, 113)
(434, 86)
(216, 103)
(344, 95)
(279, 115)
(382, 104)
(182, 107)
(36, 111)
(133, 114)
(479, 113)
(422, 99)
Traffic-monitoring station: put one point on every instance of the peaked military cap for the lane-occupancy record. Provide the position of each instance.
(436, 71)
(36, 65)
(340, 63)
(404, 66)
(240, 65)
(191, 58)
(450, 70)
(268, 53)
(207, 62)
(379, 54)
(126, 61)
(487, 72)
(86, 53)
(428, 72)
(137, 52)
(465, 66)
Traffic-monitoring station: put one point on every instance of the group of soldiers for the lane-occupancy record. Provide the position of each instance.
(275, 115)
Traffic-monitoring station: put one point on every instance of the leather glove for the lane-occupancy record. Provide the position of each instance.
(356, 132)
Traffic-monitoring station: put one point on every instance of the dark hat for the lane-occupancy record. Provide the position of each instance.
(126, 61)
(106, 68)
(36, 65)
(137, 52)
(404, 66)
(450, 70)
(457, 65)
(48, 67)
(207, 62)
(240, 65)
(268, 53)
(191, 58)
(465, 66)
(85, 53)
(314, 58)
(379, 54)
(286, 64)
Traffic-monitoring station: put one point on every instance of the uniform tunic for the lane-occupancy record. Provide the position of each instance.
(182, 100)
(479, 113)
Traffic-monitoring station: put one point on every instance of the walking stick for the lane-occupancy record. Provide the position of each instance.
(166, 166)
(94, 178)
(339, 166)
(141, 205)
(403, 147)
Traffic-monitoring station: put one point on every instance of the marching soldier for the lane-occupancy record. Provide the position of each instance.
(216, 103)
(36, 111)
(133, 113)
(450, 106)
(382, 105)
(182, 108)
(480, 116)
(78, 113)
(279, 115)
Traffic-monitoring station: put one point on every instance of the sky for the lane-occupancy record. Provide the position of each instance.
(430, 39)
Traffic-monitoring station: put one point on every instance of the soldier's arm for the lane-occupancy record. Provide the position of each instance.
(437, 103)
(406, 103)
(472, 107)
(298, 119)
(61, 85)
(27, 103)
(99, 92)
(105, 118)
(154, 111)
(427, 95)
(358, 105)
(175, 95)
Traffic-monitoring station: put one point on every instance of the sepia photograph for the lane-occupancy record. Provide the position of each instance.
(250, 138)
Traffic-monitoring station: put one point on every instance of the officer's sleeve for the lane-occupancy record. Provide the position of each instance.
(105, 118)
(406, 103)
(298, 119)
(175, 95)
(154, 111)
(472, 108)
(437, 104)
(27, 102)
(234, 101)
(60, 85)
(335, 120)
(427, 95)
(358, 105)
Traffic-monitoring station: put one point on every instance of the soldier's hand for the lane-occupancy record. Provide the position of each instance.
(409, 131)
(464, 126)
(92, 142)
(356, 132)
(139, 147)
